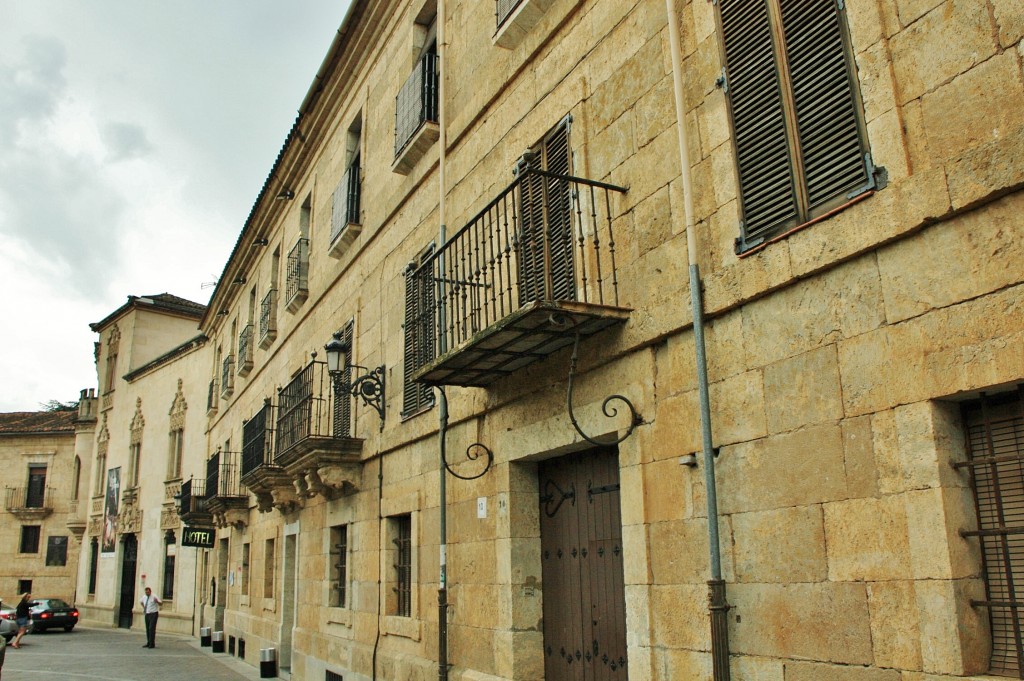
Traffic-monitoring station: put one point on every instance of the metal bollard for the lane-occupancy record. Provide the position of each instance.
(217, 641)
(268, 663)
(204, 637)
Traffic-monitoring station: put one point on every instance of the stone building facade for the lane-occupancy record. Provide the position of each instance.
(41, 480)
(853, 195)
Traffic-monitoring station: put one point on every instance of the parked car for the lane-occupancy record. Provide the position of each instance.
(48, 613)
(8, 626)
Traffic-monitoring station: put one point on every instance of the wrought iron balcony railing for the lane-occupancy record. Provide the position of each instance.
(30, 499)
(223, 475)
(245, 350)
(268, 318)
(297, 275)
(257, 437)
(193, 499)
(227, 376)
(416, 102)
(535, 267)
(306, 411)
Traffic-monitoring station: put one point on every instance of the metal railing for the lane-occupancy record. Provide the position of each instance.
(546, 237)
(227, 376)
(268, 316)
(297, 269)
(25, 498)
(223, 475)
(257, 437)
(503, 8)
(211, 399)
(245, 348)
(416, 102)
(193, 496)
(305, 407)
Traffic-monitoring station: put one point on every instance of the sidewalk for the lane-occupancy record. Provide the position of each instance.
(119, 655)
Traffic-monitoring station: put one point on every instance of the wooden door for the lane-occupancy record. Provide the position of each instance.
(581, 558)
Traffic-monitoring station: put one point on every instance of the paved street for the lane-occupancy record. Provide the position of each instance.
(118, 655)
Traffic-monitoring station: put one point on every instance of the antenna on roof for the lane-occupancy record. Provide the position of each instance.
(209, 284)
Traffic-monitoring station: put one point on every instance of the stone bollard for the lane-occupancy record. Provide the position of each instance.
(204, 637)
(217, 641)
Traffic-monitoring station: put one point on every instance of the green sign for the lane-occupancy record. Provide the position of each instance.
(200, 537)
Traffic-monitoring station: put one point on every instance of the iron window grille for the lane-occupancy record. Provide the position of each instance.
(403, 565)
(339, 565)
(503, 8)
(245, 342)
(297, 273)
(346, 200)
(798, 127)
(227, 377)
(211, 398)
(995, 464)
(416, 102)
(268, 318)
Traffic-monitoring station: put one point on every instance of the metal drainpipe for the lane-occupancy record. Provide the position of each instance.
(717, 603)
(442, 578)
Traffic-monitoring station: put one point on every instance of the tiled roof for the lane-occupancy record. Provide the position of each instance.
(159, 301)
(37, 422)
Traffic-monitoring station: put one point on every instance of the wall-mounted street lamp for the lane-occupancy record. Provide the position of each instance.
(369, 385)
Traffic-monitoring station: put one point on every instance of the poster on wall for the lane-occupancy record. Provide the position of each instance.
(108, 540)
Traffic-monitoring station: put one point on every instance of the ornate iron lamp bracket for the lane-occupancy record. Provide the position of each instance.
(474, 452)
(611, 412)
(369, 387)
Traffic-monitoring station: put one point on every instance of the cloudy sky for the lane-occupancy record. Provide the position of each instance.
(134, 138)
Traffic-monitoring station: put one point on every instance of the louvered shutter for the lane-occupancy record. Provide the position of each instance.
(831, 144)
(419, 332)
(342, 399)
(762, 147)
(547, 248)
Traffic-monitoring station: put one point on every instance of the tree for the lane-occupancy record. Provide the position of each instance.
(57, 405)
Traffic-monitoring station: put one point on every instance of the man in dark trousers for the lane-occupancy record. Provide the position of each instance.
(151, 606)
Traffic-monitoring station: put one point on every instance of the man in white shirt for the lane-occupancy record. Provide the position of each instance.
(151, 606)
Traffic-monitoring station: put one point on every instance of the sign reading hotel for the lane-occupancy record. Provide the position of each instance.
(199, 537)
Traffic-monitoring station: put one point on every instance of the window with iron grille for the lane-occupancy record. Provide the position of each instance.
(419, 332)
(29, 539)
(400, 533)
(995, 450)
(244, 586)
(339, 565)
(416, 102)
(799, 135)
(333, 676)
(256, 440)
(346, 200)
(170, 553)
(269, 562)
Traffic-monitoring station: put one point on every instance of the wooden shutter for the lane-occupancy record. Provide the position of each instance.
(831, 143)
(761, 137)
(800, 142)
(545, 248)
(419, 331)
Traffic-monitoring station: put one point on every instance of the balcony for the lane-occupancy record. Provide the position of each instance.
(515, 18)
(227, 499)
(193, 509)
(345, 220)
(268, 319)
(211, 399)
(296, 287)
(269, 482)
(245, 350)
(227, 377)
(29, 503)
(529, 272)
(416, 127)
(76, 520)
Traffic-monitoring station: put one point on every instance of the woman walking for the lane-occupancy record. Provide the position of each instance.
(21, 616)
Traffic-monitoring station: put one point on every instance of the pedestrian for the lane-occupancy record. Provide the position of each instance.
(151, 606)
(21, 615)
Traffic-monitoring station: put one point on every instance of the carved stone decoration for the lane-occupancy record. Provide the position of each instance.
(178, 408)
(129, 520)
(138, 422)
(286, 500)
(172, 488)
(335, 480)
(264, 500)
(169, 519)
(95, 527)
(237, 518)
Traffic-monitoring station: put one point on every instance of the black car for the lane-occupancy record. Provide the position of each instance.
(48, 613)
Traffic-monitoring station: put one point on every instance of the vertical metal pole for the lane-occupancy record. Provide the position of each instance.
(442, 587)
(442, 580)
(718, 606)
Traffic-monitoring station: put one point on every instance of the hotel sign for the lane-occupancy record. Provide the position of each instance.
(199, 537)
